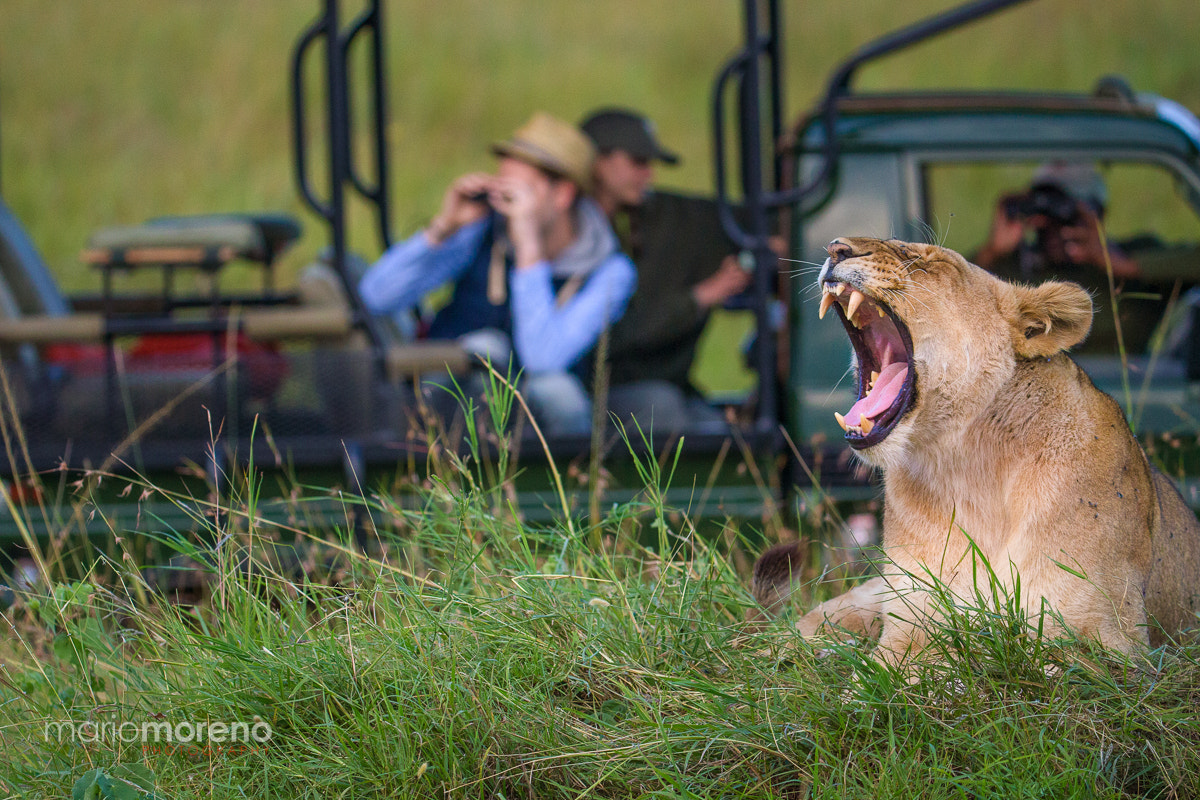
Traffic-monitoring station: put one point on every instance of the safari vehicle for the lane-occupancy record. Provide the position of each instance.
(305, 378)
(932, 166)
(913, 166)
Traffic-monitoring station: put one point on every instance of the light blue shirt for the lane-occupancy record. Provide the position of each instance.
(547, 337)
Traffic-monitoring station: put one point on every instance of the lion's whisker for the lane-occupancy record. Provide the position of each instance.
(829, 396)
(905, 296)
(802, 261)
(802, 272)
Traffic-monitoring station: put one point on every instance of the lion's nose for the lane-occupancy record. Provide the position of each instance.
(839, 250)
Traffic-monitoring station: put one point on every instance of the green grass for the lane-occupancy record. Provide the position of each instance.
(463, 653)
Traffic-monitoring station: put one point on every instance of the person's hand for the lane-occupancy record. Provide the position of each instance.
(518, 203)
(1004, 237)
(1083, 245)
(460, 206)
(1081, 241)
(728, 280)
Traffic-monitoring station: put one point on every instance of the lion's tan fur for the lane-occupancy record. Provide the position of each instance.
(1010, 444)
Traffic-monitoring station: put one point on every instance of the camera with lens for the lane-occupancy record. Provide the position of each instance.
(485, 197)
(1047, 201)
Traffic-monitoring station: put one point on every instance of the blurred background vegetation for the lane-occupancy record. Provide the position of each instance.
(114, 112)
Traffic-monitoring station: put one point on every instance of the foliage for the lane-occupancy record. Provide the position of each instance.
(456, 651)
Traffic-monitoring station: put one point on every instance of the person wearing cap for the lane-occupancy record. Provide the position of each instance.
(1052, 231)
(537, 271)
(686, 267)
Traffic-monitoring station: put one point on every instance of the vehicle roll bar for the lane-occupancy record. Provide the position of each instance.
(761, 26)
(343, 173)
(745, 64)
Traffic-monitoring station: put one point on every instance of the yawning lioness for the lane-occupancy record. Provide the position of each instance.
(987, 432)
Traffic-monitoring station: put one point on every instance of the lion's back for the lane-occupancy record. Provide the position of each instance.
(1173, 588)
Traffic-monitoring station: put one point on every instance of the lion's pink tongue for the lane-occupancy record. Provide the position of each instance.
(887, 387)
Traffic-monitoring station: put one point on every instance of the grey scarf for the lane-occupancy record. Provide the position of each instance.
(594, 242)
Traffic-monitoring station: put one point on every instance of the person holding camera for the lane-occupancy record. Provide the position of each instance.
(536, 268)
(1054, 227)
(1052, 231)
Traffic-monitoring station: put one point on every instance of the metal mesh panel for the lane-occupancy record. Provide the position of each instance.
(94, 403)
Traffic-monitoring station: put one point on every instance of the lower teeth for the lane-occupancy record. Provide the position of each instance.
(864, 427)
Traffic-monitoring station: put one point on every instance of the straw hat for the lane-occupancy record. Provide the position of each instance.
(549, 143)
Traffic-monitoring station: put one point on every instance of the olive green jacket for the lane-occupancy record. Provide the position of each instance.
(676, 241)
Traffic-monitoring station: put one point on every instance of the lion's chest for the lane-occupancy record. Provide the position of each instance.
(1053, 474)
(971, 494)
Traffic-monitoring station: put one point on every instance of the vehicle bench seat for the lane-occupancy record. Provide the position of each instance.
(404, 358)
(206, 240)
(425, 357)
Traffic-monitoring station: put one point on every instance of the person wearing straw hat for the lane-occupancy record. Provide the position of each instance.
(686, 267)
(536, 268)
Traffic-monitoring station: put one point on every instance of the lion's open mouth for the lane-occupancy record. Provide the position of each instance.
(884, 349)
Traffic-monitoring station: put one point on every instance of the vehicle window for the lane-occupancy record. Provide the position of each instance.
(1143, 199)
(1146, 199)
(1153, 231)
(721, 367)
(960, 198)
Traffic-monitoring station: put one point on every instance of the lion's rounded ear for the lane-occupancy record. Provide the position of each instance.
(1049, 318)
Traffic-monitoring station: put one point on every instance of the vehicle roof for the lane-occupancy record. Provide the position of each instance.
(1016, 120)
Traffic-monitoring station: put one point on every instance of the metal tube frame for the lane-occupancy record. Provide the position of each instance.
(762, 24)
(343, 173)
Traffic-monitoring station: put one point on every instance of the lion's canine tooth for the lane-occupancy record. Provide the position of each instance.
(874, 377)
(867, 425)
(856, 300)
(841, 421)
(827, 300)
(880, 310)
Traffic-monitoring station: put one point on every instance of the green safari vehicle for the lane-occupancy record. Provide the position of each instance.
(933, 167)
(305, 379)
